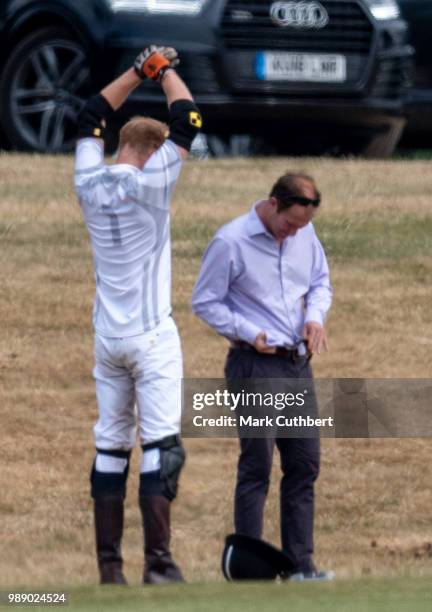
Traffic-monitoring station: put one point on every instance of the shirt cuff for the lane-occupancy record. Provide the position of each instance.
(247, 331)
(313, 314)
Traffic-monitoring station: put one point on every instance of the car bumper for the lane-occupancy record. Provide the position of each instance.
(229, 114)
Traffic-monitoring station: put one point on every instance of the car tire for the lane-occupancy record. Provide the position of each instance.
(239, 145)
(43, 86)
(383, 145)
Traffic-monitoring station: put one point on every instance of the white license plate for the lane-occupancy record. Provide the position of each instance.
(311, 67)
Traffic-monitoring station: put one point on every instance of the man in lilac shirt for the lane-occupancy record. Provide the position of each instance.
(264, 285)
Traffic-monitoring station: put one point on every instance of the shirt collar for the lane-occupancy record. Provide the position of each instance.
(254, 225)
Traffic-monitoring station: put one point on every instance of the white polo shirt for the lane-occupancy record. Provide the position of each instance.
(126, 211)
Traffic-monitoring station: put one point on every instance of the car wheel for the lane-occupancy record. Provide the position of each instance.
(44, 84)
(383, 145)
(238, 145)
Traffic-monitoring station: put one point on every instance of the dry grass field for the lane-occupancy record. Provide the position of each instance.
(374, 497)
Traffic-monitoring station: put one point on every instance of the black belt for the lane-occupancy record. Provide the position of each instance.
(281, 351)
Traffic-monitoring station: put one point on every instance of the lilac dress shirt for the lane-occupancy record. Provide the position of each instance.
(249, 282)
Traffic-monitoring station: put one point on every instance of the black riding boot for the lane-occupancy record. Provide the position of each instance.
(159, 567)
(108, 514)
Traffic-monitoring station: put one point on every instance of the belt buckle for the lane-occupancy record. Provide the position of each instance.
(307, 355)
(282, 351)
(288, 353)
(295, 355)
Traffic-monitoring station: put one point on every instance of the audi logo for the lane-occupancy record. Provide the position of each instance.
(299, 14)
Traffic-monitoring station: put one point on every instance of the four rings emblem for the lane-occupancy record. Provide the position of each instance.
(303, 14)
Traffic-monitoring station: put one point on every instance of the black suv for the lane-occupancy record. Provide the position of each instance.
(418, 14)
(298, 75)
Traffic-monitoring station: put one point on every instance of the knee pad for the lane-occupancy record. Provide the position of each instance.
(109, 473)
(165, 480)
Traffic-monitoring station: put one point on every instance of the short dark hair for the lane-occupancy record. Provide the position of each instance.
(288, 190)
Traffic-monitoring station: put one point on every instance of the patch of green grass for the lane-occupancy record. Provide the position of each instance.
(32, 243)
(371, 595)
(373, 237)
(190, 238)
(384, 236)
(5, 228)
(68, 234)
(413, 154)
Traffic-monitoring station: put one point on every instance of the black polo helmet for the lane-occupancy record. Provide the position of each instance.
(246, 558)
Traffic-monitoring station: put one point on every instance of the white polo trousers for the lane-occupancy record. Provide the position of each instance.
(139, 376)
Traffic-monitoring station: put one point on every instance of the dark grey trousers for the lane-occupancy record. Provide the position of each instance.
(299, 459)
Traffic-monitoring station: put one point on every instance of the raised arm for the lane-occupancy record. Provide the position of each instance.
(93, 117)
(96, 111)
(154, 63)
(184, 116)
(174, 88)
(158, 64)
(185, 121)
(117, 92)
